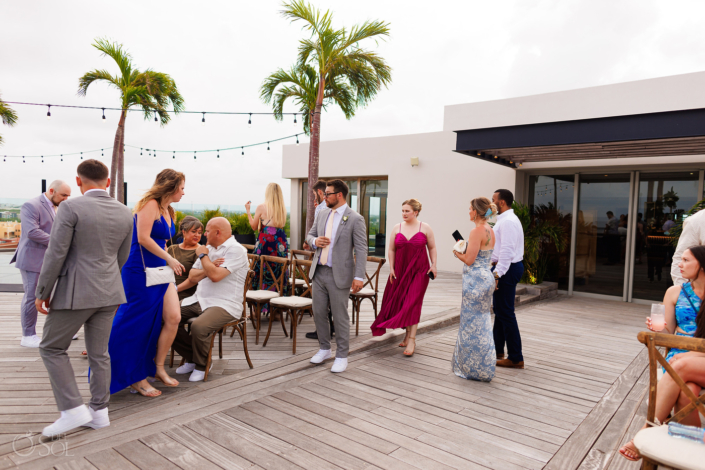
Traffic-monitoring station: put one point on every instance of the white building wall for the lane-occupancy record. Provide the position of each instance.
(444, 181)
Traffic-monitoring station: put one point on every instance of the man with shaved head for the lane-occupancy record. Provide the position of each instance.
(37, 217)
(218, 298)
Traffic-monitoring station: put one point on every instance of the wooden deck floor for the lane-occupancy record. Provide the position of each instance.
(569, 408)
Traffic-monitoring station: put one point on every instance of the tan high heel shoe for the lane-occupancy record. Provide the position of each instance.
(413, 350)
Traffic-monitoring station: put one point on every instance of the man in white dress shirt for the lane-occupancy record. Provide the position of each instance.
(37, 217)
(218, 297)
(693, 234)
(508, 268)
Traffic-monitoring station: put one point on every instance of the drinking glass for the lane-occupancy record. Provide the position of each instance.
(658, 317)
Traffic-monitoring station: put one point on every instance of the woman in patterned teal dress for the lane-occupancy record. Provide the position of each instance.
(270, 219)
(685, 316)
(475, 356)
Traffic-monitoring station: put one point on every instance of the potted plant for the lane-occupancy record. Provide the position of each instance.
(539, 235)
(241, 229)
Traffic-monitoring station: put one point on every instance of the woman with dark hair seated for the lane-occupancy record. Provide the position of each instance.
(685, 316)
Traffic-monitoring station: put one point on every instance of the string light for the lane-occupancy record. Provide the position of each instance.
(297, 140)
(48, 111)
(42, 158)
(140, 152)
(249, 121)
(23, 159)
(194, 154)
(62, 157)
(218, 154)
(294, 118)
(243, 150)
(81, 155)
(267, 146)
(102, 154)
(174, 155)
(155, 153)
(203, 121)
(103, 114)
(155, 116)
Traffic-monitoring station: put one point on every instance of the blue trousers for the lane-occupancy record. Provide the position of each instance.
(506, 329)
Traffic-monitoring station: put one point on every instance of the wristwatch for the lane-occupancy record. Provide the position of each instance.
(202, 255)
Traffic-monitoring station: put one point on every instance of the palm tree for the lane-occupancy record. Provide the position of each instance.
(152, 91)
(331, 68)
(7, 115)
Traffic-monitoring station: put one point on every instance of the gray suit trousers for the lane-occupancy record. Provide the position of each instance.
(28, 310)
(59, 329)
(326, 293)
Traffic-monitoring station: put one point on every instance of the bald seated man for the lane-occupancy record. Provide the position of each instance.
(218, 298)
(37, 216)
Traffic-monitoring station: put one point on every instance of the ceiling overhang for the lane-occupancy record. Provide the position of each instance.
(639, 135)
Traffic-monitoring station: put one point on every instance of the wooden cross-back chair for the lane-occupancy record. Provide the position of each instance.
(256, 299)
(252, 259)
(652, 342)
(295, 306)
(294, 281)
(369, 290)
(249, 248)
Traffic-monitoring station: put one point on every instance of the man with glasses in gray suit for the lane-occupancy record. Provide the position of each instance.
(90, 242)
(335, 272)
(37, 217)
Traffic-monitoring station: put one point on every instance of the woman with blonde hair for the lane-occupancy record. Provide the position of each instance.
(145, 326)
(475, 356)
(269, 220)
(409, 273)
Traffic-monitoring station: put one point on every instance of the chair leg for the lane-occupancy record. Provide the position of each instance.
(220, 344)
(281, 318)
(269, 330)
(374, 305)
(256, 320)
(210, 357)
(294, 317)
(356, 313)
(243, 335)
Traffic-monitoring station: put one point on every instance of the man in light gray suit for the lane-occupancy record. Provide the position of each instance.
(90, 242)
(37, 217)
(336, 231)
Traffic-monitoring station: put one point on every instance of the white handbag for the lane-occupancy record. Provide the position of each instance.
(156, 276)
(460, 246)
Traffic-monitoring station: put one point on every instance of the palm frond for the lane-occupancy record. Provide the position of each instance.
(314, 20)
(96, 75)
(368, 29)
(115, 51)
(7, 114)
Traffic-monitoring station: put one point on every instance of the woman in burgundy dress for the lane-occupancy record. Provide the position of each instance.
(408, 276)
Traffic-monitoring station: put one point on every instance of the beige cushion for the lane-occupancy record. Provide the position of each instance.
(296, 302)
(656, 444)
(261, 294)
(365, 291)
(299, 282)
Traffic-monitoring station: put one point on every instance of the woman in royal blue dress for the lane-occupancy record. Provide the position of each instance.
(139, 342)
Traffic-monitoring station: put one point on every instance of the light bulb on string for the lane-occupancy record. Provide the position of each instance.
(155, 116)
(103, 114)
(48, 111)
(140, 152)
(194, 154)
(294, 118)
(42, 158)
(218, 156)
(23, 159)
(4, 159)
(249, 121)
(243, 150)
(203, 121)
(101, 153)
(62, 157)
(155, 154)
(81, 155)
(297, 140)
(174, 155)
(267, 146)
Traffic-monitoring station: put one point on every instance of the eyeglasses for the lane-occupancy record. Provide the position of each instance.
(330, 194)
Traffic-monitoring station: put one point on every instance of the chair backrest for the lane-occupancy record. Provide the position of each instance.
(301, 254)
(249, 248)
(300, 269)
(252, 259)
(267, 263)
(654, 340)
(248, 283)
(374, 279)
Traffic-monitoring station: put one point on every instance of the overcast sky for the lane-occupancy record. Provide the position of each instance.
(218, 52)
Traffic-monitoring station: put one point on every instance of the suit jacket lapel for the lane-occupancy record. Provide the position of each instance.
(45, 204)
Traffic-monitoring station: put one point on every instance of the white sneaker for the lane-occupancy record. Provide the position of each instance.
(321, 356)
(70, 419)
(30, 341)
(100, 418)
(340, 364)
(75, 336)
(186, 368)
(198, 375)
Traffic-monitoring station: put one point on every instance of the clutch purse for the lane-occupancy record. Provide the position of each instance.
(460, 246)
(156, 276)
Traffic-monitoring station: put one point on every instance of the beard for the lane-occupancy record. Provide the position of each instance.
(54, 201)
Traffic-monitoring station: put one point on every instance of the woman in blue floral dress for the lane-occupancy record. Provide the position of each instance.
(475, 356)
(270, 219)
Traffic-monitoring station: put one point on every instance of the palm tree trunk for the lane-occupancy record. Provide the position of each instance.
(313, 156)
(121, 159)
(115, 157)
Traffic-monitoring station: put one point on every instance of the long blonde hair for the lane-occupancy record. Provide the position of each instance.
(274, 202)
(166, 183)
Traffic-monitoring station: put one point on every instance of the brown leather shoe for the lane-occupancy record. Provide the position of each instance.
(511, 364)
(501, 356)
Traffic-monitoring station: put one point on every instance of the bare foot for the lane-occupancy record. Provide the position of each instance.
(143, 388)
(405, 342)
(629, 451)
(164, 378)
(409, 351)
